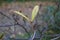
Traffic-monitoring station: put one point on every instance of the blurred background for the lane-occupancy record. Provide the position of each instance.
(14, 26)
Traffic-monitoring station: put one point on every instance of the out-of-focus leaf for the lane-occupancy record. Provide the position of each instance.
(34, 12)
(21, 14)
(1, 35)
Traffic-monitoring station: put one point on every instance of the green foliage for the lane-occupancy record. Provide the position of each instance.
(46, 38)
(24, 36)
(1, 35)
(9, 1)
(57, 18)
(54, 21)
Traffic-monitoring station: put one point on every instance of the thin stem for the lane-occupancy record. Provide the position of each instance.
(5, 15)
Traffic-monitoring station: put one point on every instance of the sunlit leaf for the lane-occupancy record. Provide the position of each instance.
(34, 12)
(21, 14)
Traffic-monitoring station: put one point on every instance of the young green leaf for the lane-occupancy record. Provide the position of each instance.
(34, 12)
(21, 14)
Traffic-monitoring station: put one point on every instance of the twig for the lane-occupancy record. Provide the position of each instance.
(33, 36)
(16, 22)
(53, 35)
(7, 25)
(43, 32)
(56, 38)
(5, 15)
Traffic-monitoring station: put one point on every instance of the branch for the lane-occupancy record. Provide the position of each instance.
(7, 25)
(14, 25)
(43, 32)
(56, 38)
(53, 35)
(16, 22)
(33, 36)
(5, 15)
(24, 28)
